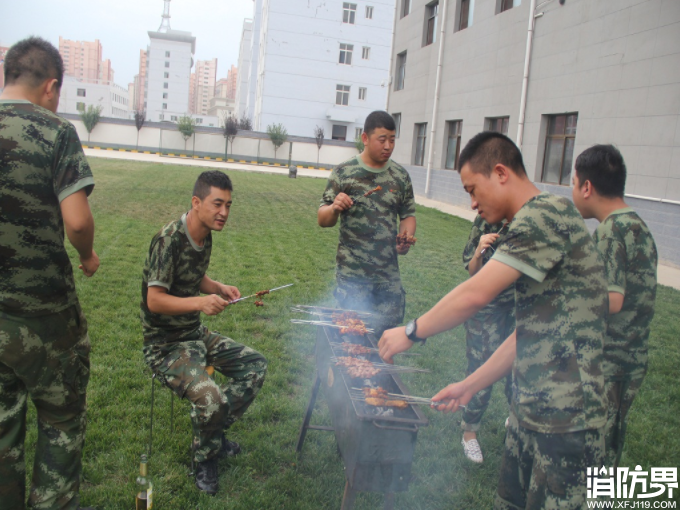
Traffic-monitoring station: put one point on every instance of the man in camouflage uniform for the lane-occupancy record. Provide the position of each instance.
(630, 261)
(367, 269)
(558, 412)
(177, 347)
(485, 331)
(44, 347)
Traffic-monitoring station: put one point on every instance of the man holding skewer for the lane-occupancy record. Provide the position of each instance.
(177, 347)
(555, 353)
(368, 194)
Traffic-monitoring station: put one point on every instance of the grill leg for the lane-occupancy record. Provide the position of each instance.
(348, 497)
(308, 414)
(389, 501)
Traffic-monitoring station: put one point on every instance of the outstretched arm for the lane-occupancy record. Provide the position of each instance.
(160, 301)
(79, 226)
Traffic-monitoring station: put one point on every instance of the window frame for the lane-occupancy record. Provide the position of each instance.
(564, 137)
(430, 30)
(342, 95)
(84, 93)
(349, 13)
(418, 135)
(346, 54)
(503, 119)
(400, 77)
(397, 123)
(333, 136)
(362, 93)
(454, 130)
(405, 8)
(365, 52)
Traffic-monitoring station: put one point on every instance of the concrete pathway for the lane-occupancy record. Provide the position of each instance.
(667, 275)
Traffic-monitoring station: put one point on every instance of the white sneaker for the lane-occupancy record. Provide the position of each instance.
(472, 450)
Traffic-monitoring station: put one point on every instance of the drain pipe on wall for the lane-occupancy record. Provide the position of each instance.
(440, 57)
(525, 79)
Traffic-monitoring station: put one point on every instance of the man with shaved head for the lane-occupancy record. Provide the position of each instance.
(44, 346)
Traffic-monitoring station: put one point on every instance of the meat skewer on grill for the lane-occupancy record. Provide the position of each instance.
(359, 349)
(347, 330)
(327, 311)
(379, 393)
(362, 362)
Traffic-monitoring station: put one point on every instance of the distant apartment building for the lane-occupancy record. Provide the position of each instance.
(83, 60)
(77, 95)
(131, 96)
(331, 71)
(204, 78)
(599, 72)
(231, 83)
(168, 69)
(192, 92)
(245, 50)
(140, 82)
(3, 50)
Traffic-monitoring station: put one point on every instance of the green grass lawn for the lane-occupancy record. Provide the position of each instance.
(272, 238)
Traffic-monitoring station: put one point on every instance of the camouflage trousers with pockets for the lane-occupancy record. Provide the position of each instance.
(484, 334)
(620, 396)
(386, 300)
(182, 367)
(547, 470)
(46, 358)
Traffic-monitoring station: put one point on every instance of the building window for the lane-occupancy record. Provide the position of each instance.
(165, 85)
(401, 71)
(357, 133)
(430, 34)
(173, 117)
(397, 124)
(161, 117)
(166, 75)
(167, 54)
(80, 106)
(167, 64)
(339, 132)
(504, 5)
(342, 95)
(405, 7)
(349, 12)
(365, 52)
(165, 106)
(498, 124)
(369, 12)
(346, 53)
(199, 120)
(454, 129)
(559, 149)
(165, 95)
(420, 137)
(81, 93)
(465, 19)
(362, 93)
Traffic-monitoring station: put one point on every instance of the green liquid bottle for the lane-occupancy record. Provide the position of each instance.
(144, 498)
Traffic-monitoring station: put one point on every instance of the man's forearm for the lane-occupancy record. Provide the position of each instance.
(327, 216)
(164, 303)
(498, 365)
(474, 265)
(208, 286)
(82, 237)
(408, 224)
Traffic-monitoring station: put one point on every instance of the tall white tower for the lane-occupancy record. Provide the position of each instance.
(165, 22)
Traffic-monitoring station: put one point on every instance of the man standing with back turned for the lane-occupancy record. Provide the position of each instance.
(44, 347)
(368, 193)
(557, 413)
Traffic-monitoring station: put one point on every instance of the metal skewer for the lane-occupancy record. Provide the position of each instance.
(419, 400)
(323, 323)
(388, 367)
(255, 294)
(306, 308)
(499, 232)
(339, 345)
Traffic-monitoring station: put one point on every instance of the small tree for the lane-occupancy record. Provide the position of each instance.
(91, 118)
(186, 126)
(245, 123)
(230, 130)
(318, 135)
(278, 135)
(140, 119)
(359, 144)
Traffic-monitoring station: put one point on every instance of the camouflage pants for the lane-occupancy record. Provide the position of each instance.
(547, 471)
(46, 357)
(484, 334)
(620, 396)
(182, 367)
(386, 300)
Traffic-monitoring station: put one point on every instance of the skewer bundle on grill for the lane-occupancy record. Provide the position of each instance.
(377, 396)
(357, 367)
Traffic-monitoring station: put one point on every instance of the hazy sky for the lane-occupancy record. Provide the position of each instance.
(122, 25)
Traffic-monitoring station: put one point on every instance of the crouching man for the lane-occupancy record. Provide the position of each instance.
(177, 347)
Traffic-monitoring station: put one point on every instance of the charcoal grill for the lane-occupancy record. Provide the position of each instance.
(376, 444)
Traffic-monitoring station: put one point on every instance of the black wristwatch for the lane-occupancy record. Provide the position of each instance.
(411, 328)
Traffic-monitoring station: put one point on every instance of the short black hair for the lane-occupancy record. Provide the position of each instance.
(488, 148)
(379, 119)
(209, 179)
(604, 167)
(31, 61)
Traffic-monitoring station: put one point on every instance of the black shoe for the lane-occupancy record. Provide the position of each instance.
(206, 476)
(228, 448)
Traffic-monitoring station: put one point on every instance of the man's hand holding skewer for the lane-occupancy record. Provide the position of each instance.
(451, 397)
(392, 342)
(342, 203)
(212, 305)
(229, 293)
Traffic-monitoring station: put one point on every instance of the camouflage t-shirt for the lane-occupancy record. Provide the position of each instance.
(504, 302)
(176, 263)
(630, 261)
(560, 310)
(367, 247)
(41, 163)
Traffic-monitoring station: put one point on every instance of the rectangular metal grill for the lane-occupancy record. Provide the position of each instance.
(376, 444)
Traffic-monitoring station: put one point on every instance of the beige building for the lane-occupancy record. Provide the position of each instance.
(3, 50)
(203, 83)
(139, 102)
(83, 60)
(230, 82)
